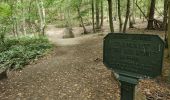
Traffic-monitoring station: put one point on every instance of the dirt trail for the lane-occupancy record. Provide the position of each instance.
(73, 72)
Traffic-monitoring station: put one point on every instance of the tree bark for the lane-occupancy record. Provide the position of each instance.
(13, 19)
(97, 15)
(16, 27)
(151, 15)
(81, 19)
(41, 12)
(29, 12)
(169, 29)
(131, 16)
(110, 15)
(67, 18)
(101, 24)
(93, 15)
(119, 15)
(133, 12)
(127, 16)
(115, 13)
(164, 27)
(141, 11)
(23, 18)
(44, 17)
(130, 21)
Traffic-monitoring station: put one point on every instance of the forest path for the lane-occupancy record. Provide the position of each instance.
(72, 72)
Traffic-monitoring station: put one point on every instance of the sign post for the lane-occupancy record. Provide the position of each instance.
(127, 91)
(132, 57)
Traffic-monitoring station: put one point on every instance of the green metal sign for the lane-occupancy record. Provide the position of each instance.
(133, 55)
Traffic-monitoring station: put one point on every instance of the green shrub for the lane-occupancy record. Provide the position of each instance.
(15, 53)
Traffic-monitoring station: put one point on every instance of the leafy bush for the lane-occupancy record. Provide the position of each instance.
(17, 52)
(2, 34)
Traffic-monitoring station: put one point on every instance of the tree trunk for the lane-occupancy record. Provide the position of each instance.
(141, 11)
(41, 12)
(81, 19)
(131, 16)
(110, 15)
(133, 12)
(101, 24)
(29, 14)
(68, 33)
(130, 21)
(93, 15)
(151, 15)
(13, 20)
(119, 15)
(97, 15)
(169, 28)
(164, 27)
(16, 27)
(127, 16)
(115, 17)
(23, 18)
(44, 17)
(148, 8)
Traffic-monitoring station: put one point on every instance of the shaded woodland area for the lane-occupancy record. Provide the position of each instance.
(52, 49)
(26, 17)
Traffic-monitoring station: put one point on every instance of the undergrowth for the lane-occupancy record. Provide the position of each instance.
(15, 53)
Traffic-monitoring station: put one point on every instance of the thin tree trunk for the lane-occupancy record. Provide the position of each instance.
(164, 27)
(29, 12)
(115, 17)
(13, 20)
(120, 17)
(140, 16)
(131, 16)
(127, 16)
(97, 15)
(40, 15)
(133, 12)
(16, 20)
(130, 21)
(41, 11)
(23, 19)
(13, 29)
(68, 33)
(93, 15)
(148, 7)
(151, 15)
(141, 11)
(101, 24)
(169, 28)
(16, 27)
(43, 17)
(110, 15)
(81, 19)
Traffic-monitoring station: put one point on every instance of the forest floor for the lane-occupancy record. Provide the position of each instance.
(74, 71)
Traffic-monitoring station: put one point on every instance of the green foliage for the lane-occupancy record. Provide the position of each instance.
(2, 34)
(17, 52)
(5, 10)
